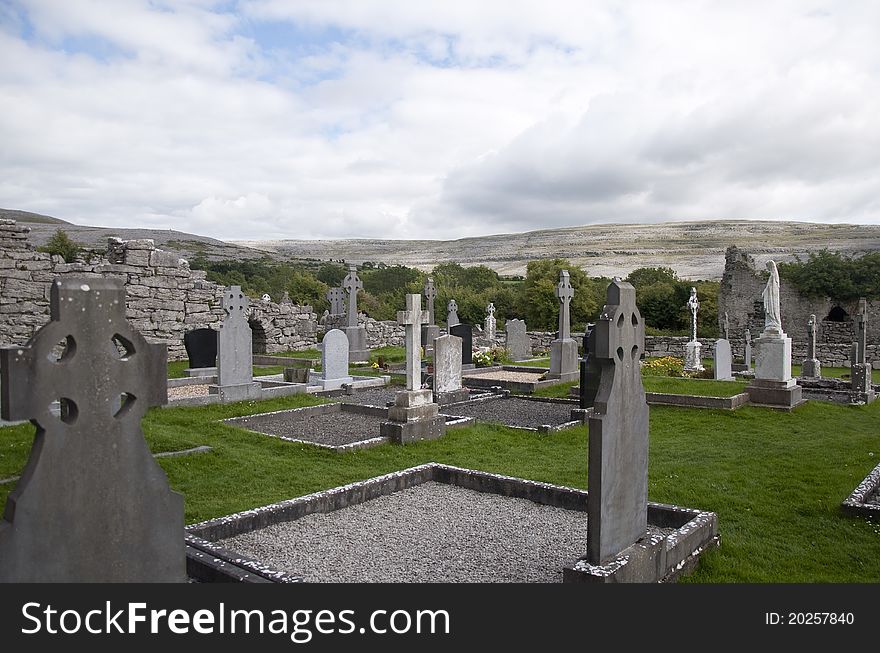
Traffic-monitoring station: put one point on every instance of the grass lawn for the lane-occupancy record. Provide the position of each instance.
(699, 387)
(175, 369)
(534, 362)
(775, 479)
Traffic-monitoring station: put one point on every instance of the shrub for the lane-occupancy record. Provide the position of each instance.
(666, 366)
(60, 244)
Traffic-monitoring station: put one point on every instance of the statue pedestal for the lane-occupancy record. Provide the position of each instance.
(357, 344)
(692, 360)
(564, 360)
(773, 385)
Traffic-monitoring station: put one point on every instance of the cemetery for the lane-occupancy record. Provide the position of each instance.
(727, 459)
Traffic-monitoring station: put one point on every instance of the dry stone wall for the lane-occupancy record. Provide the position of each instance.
(164, 298)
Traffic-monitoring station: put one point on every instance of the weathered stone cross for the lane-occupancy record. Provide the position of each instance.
(336, 297)
(618, 450)
(352, 284)
(693, 304)
(452, 313)
(430, 296)
(811, 339)
(92, 504)
(564, 292)
(490, 309)
(412, 318)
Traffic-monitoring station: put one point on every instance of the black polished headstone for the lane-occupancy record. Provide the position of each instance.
(466, 333)
(201, 347)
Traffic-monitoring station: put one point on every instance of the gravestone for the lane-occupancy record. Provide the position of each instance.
(490, 324)
(447, 370)
(451, 314)
(725, 327)
(466, 333)
(746, 365)
(693, 361)
(336, 297)
(564, 350)
(357, 335)
(860, 370)
(430, 331)
(92, 504)
(414, 415)
(519, 346)
(722, 361)
(334, 360)
(617, 502)
(201, 348)
(235, 357)
(811, 368)
(773, 384)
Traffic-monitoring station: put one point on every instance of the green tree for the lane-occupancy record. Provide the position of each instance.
(60, 244)
(303, 288)
(539, 304)
(332, 274)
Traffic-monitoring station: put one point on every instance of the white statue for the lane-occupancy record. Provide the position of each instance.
(772, 316)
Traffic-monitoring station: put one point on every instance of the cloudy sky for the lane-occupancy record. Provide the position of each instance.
(437, 119)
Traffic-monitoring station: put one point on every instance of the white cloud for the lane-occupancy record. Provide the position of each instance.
(437, 119)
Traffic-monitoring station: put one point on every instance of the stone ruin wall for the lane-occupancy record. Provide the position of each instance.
(740, 296)
(164, 298)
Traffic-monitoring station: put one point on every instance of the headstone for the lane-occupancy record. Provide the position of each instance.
(693, 361)
(860, 370)
(92, 504)
(447, 370)
(357, 335)
(490, 324)
(235, 357)
(617, 502)
(722, 361)
(773, 384)
(336, 297)
(725, 327)
(201, 348)
(430, 331)
(334, 360)
(746, 365)
(589, 380)
(811, 368)
(466, 333)
(451, 314)
(563, 350)
(414, 416)
(518, 346)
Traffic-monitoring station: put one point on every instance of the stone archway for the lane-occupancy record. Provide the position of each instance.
(837, 314)
(258, 336)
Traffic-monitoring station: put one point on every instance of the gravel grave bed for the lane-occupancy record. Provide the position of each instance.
(370, 396)
(513, 411)
(430, 532)
(333, 429)
(507, 375)
(187, 392)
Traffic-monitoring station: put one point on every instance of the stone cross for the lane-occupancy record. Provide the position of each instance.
(430, 296)
(352, 283)
(490, 309)
(725, 327)
(693, 304)
(452, 313)
(747, 354)
(412, 318)
(490, 323)
(336, 297)
(92, 504)
(811, 337)
(862, 332)
(564, 292)
(617, 503)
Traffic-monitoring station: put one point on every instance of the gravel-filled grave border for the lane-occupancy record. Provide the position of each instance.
(473, 405)
(865, 499)
(283, 424)
(686, 532)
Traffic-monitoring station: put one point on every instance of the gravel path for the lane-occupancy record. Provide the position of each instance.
(506, 375)
(513, 411)
(431, 532)
(187, 391)
(334, 429)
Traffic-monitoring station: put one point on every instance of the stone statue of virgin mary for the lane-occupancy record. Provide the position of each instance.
(772, 316)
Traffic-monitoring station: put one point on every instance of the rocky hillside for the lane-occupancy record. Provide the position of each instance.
(693, 249)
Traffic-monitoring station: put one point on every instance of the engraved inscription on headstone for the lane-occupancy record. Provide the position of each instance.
(92, 504)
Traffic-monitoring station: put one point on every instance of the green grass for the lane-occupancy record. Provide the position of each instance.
(775, 479)
(699, 387)
(557, 390)
(175, 369)
(534, 362)
(305, 353)
(390, 354)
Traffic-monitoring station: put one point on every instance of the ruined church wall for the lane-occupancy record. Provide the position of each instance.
(164, 298)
